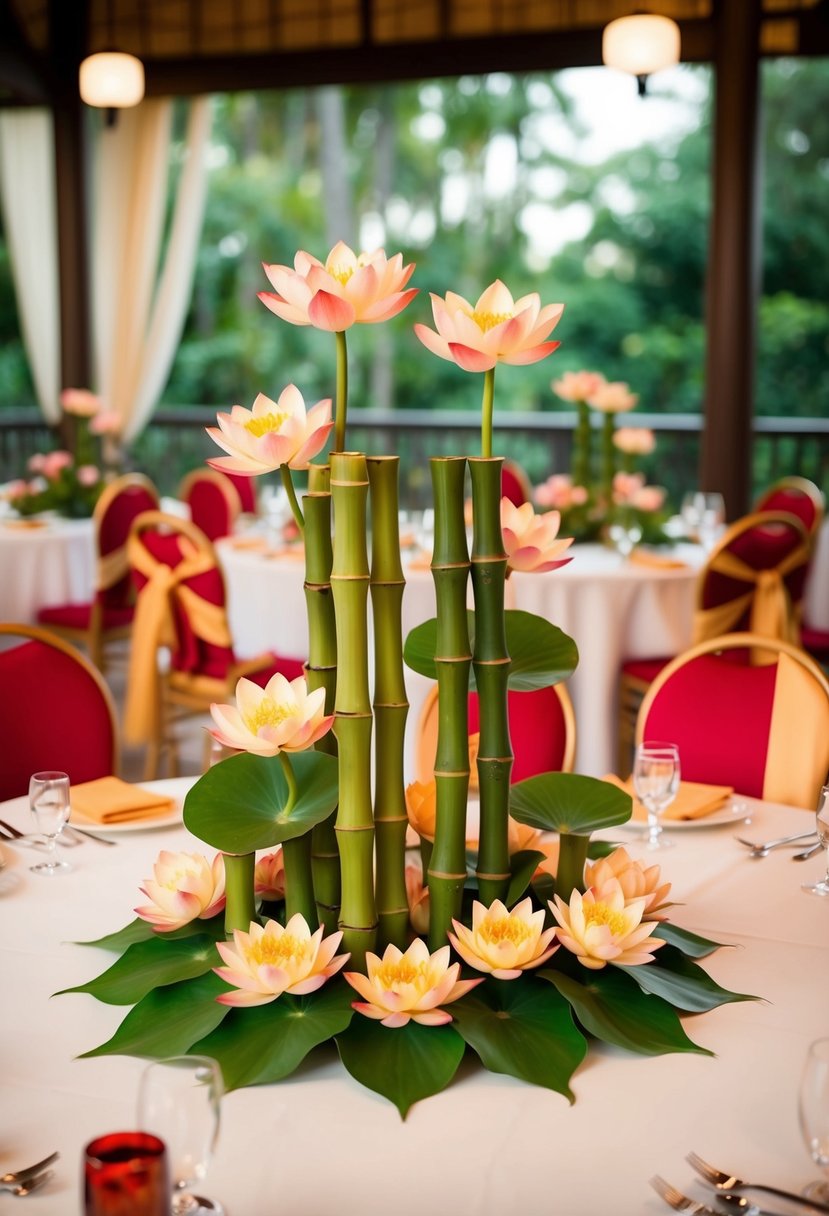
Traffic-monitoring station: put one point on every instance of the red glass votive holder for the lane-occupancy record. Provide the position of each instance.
(126, 1174)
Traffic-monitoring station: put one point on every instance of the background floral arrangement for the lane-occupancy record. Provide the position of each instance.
(555, 942)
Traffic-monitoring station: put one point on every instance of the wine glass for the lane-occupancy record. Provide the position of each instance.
(712, 520)
(656, 781)
(178, 1100)
(624, 535)
(49, 803)
(814, 1114)
(822, 822)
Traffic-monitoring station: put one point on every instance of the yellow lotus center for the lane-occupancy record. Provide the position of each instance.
(341, 273)
(488, 320)
(267, 713)
(274, 951)
(264, 424)
(392, 975)
(505, 929)
(176, 878)
(601, 914)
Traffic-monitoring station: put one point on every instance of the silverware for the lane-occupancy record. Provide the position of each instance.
(727, 1182)
(17, 1176)
(12, 834)
(761, 848)
(676, 1200)
(27, 1188)
(73, 831)
(810, 852)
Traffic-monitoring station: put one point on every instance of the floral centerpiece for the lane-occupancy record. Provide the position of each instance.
(311, 922)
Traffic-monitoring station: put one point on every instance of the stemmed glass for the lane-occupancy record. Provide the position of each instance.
(624, 534)
(814, 1113)
(822, 822)
(656, 781)
(49, 803)
(703, 516)
(178, 1100)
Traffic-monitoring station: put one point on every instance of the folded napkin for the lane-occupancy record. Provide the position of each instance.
(693, 800)
(657, 561)
(244, 542)
(423, 561)
(111, 800)
(294, 553)
(26, 525)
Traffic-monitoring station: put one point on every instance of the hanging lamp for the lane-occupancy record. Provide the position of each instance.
(641, 44)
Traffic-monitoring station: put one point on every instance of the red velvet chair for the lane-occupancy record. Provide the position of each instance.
(515, 484)
(763, 729)
(37, 669)
(246, 488)
(798, 496)
(108, 616)
(213, 500)
(182, 607)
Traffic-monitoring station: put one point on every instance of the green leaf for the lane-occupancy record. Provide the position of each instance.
(152, 964)
(404, 1063)
(610, 1007)
(682, 983)
(523, 1028)
(523, 865)
(540, 653)
(139, 930)
(238, 806)
(168, 1021)
(567, 802)
(689, 943)
(266, 1043)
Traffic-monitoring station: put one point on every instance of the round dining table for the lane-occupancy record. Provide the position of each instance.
(43, 562)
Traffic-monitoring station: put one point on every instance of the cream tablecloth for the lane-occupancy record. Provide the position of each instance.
(52, 564)
(319, 1145)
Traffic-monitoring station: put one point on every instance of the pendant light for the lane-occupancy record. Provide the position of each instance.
(110, 79)
(641, 44)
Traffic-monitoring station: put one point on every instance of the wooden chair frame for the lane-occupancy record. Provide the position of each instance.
(805, 487)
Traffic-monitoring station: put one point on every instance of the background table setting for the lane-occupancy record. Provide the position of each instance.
(44, 562)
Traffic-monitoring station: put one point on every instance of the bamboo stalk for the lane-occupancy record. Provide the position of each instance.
(571, 860)
(581, 446)
(240, 908)
(353, 718)
(608, 457)
(450, 571)
(490, 659)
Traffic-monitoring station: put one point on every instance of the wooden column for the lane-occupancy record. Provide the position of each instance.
(733, 258)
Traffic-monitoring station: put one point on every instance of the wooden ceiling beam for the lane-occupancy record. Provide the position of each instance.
(24, 76)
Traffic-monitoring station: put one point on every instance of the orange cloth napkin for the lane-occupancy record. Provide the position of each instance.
(111, 800)
(25, 524)
(293, 553)
(693, 800)
(423, 561)
(657, 561)
(243, 542)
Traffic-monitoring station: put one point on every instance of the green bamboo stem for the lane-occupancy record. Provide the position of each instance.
(487, 406)
(608, 458)
(288, 483)
(353, 718)
(296, 853)
(446, 873)
(571, 860)
(490, 659)
(391, 705)
(240, 907)
(581, 446)
(341, 403)
(321, 672)
(319, 478)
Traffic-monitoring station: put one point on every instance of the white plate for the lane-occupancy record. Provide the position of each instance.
(170, 820)
(735, 810)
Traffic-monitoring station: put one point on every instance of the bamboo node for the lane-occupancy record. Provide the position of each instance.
(455, 877)
(493, 877)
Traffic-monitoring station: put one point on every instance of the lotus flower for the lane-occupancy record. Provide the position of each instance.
(613, 398)
(269, 876)
(531, 541)
(600, 927)
(421, 808)
(88, 475)
(265, 962)
(54, 463)
(634, 440)
(281, 717)
(80, 402)
(559, 491)
(105, 422)
(636, 880)
(648, 498)
(504, 943)
(417, 897)
(348, 289)
(271, 434)
(184, 887)
(497, 329)
(578, 386)
(409, 987)
(15, 489)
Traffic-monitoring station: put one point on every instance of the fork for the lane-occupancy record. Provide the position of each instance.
(13, 836)
(32, 1184)
(678, 1201)
(727, 1182)
(18, 1176)
(761, 848)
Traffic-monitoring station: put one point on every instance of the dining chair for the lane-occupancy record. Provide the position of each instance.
(799, 497)
(213, 500)
(182, 611)
(246, 488)
(515, 484)
(761, 728)
(80, 737)
(542, 728)
(107, 617)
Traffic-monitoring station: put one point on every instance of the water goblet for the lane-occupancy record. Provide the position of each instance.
(712, 520)
(49, 803)
(624, 536)
(822, 822)
(178, 1100)
(814, 1114)
(656, 781)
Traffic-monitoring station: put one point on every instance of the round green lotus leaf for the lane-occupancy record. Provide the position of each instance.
(568, 803)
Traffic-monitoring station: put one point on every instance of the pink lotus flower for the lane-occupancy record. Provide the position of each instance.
(271, 434)
(80, 402)
(417, 897)
(35, 463)
(634, 440)
(88, 475)
(265, 962)
(625, 485)
(559, 491)
(637, 880)
(600, 927)
(504, 943)
(54, 464)
(648, 498)
(409, 987)
(613, 397)
(184, 886)
(105, 422)
(281, 717)
(497, 329)
(350, 288)
(269, 876)
(531, 541)
(578, 386)
(16, 489)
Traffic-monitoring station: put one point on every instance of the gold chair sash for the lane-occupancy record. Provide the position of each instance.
(771, 613)
(798, 752)
(112, 567)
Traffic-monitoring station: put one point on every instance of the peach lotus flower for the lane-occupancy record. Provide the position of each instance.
(267, 961)
(648, 498)
(531, 541)
(601, 927)
(184, 887)
(55, 462)
(636, 880)
(349, 289)
(504, 943)
(105, 422)
(559, 491)
(625, 485)
(16, 489)
(421, 808)
(80, 402)
(36, 462)
(271, 434)
(634, 440)
(417, 897)
(269, 876)
(497, 329)
(88, 475)
(613, 397)
(409, 987)
(578, 386)
(281, 717)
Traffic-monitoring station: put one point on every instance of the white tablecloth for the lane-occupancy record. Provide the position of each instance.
(614, 609)
(319, 1144)
(52, 564)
